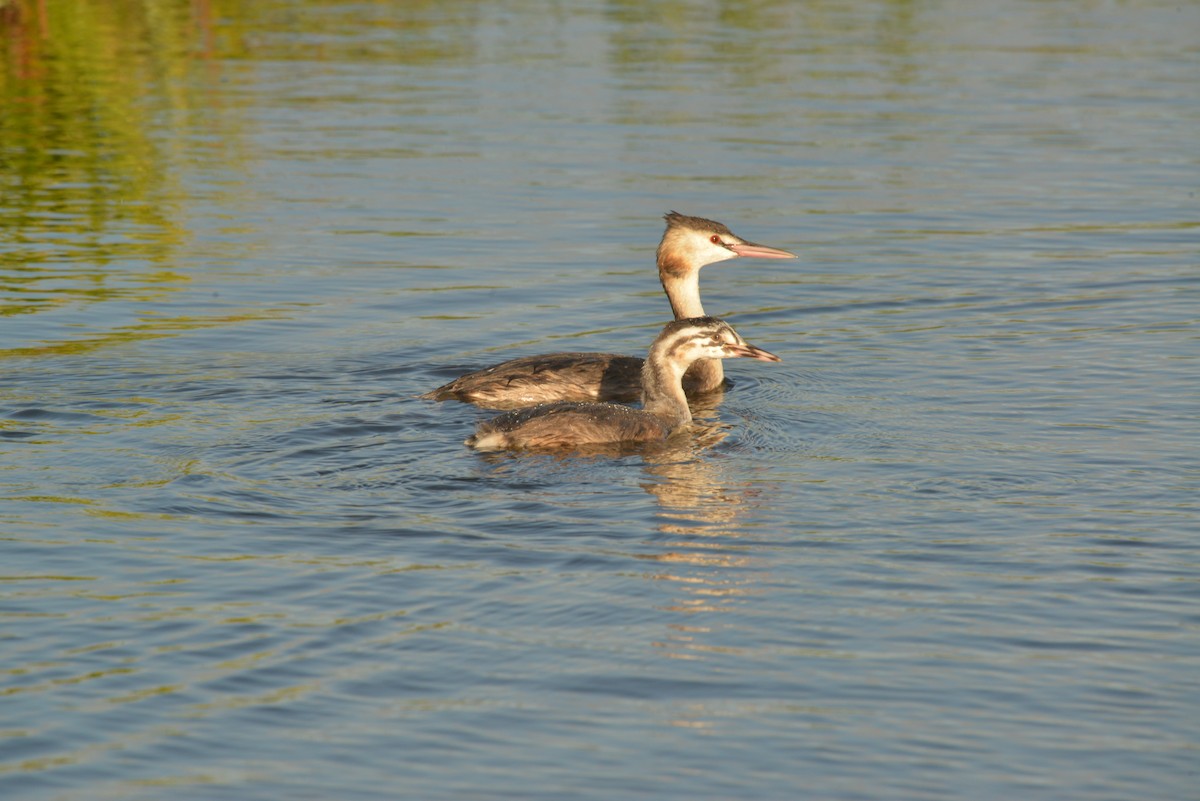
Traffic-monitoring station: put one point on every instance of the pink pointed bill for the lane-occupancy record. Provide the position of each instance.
(751, 250)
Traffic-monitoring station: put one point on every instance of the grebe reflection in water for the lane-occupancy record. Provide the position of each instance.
(564, 424)
(688, 244)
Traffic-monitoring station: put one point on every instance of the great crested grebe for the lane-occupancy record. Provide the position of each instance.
(565, 424)
(687, 245)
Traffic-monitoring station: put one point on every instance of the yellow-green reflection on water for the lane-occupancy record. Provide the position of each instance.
(119, 124)
(90, 195)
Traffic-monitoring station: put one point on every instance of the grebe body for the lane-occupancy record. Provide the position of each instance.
(688, 244)
(564, 424)
(548, 377)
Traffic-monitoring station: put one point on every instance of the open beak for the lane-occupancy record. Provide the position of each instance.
(759, 251)
(751, 352)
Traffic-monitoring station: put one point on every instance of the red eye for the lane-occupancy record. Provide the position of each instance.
(715, 239)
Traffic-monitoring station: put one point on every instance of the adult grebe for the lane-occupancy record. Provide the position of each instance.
(688, 244)
(664, 408)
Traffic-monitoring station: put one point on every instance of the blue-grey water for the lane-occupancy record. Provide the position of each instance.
(948, 549)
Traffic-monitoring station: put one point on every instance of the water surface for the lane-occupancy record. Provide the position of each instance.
(945, 550)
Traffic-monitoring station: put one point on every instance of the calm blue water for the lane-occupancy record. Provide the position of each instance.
(946, 550)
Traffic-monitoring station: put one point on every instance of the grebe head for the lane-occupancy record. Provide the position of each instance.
(689, 243)
(685, 341)
(680, 344)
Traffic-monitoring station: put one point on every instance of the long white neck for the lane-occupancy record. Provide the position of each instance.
(683, 291)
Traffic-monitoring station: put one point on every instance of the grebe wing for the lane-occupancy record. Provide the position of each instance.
(548, 377)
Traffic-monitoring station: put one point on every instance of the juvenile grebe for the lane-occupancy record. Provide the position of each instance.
(564, 424)
(688, 244)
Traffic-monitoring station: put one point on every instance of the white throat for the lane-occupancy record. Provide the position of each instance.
(684, 294)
